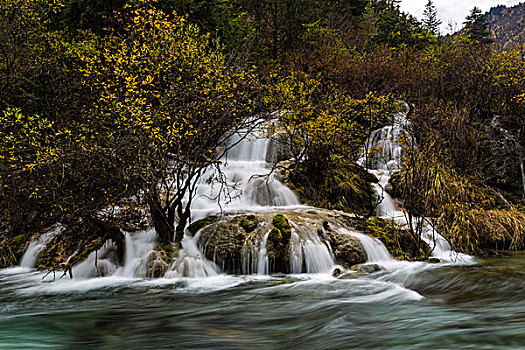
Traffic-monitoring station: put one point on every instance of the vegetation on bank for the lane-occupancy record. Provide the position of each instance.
(124, 104)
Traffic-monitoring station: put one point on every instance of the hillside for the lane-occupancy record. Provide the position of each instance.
(507, 25)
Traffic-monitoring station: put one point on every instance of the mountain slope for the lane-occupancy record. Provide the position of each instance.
(507, 25)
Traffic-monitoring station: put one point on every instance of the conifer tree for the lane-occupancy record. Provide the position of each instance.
(431, 20)
(476, 25)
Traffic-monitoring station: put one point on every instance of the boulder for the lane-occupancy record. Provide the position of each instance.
(366, 268)
(223, 241)
(347, 250)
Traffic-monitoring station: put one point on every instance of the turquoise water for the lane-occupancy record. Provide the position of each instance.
(479, 306)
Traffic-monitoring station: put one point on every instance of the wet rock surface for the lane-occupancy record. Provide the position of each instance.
(239, 243)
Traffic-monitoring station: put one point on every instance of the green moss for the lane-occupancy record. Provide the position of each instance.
(249, 223)
(280, 222)
(19, 240)
(197, 225)
(275, 235)
(399, 242)
(167, 248)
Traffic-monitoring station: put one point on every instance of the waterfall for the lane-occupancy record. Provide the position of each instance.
(383, 158)
(139, 251)
(36, 246)
(247, 182)
(138, 254)
(523, 178)
(191, 262)
(262, 259)
(375, 250)
(307, 249)
(105, 259)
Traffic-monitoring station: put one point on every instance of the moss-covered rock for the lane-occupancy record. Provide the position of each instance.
(197, 225)
(345, 187)
(223, 242)
(278, 244)
(275, 235)
(399, 242)
(249, 223)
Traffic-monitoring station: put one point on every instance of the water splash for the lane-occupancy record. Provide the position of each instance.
(384, 157)
(375, 250)
(36, 246)
(191, 262)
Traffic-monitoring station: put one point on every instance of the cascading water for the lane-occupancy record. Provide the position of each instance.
(381, 158)
(191, 261)
(138, 254)
(139, 250)
(375, 250)
(36, 246)
(248, 184)
(307, 247)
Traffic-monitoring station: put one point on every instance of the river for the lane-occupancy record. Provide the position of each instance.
(472, 306)
(458, 303)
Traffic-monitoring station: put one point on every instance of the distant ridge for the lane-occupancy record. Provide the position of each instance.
(507, 26)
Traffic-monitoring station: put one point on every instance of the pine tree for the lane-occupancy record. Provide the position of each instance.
(477, 26)
(431, 20)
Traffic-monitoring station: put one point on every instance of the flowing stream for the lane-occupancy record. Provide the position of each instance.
(454, 304)
(382, 160)
(479, 306)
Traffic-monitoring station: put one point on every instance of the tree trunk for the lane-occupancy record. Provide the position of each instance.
(163, 226)
(184, 215)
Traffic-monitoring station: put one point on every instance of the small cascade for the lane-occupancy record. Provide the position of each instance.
(374, 248)
(262, 258)
(308, 253)
(139, 252)
(383, 148)
(36, 246)
(247, 182)
(105, 259)
(383, 158)
(191, 262)
(254, 259)
(523, 178)
(296, 254)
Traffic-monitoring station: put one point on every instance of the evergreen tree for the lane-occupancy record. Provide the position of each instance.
(431, 20)
(476, 25)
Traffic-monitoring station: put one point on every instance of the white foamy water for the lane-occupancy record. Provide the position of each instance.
(307, 249)
(374, 248)
(36, 246)
(191, 262)
(383, 159)
(248, 183)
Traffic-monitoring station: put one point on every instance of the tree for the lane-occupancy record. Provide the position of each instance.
(166, 103)
(476, 25)
(431, 20)
(49, 162)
